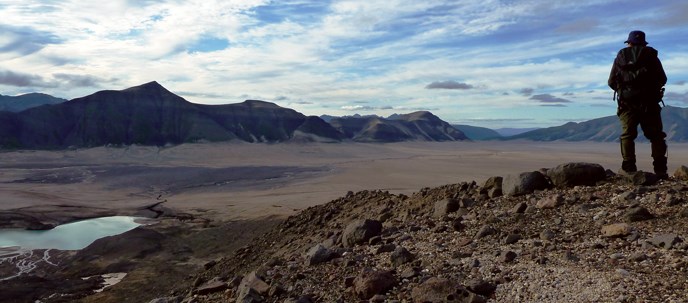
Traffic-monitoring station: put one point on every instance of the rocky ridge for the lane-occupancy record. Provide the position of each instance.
(584, 235)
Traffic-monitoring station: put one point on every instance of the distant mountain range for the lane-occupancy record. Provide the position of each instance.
(417, 126)
(608, 129)
(149, 114)
(22, 102)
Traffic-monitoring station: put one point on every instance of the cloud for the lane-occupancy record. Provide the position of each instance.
(448, 85)
(579, 26)
(526, 91)
(23, 80)
(364, 108)
(676, 97)
(25, 40)
(80, 80)
(549, 100)
(681, 83)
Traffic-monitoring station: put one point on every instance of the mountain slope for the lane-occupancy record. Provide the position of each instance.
(417, 126)
(477, 133)
(148, 114)
(22, 102)
(608, 129)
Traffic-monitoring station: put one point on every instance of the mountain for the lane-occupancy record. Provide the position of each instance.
(418, 126)
(149, 114)
(22, 102)
(608, 129)
(477, 133)
(511, 131)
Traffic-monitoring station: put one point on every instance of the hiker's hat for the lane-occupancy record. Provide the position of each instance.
(636, 37)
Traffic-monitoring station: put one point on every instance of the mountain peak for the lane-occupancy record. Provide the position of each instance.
(260, 104)
(152, 86)
(419, 115)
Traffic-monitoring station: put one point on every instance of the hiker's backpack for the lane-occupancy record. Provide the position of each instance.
(636, 79)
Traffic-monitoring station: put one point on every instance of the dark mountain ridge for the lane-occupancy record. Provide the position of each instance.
(416, 126)
(22, 102)
(147, 114)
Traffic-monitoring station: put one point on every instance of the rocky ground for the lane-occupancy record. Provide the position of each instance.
(574, 233)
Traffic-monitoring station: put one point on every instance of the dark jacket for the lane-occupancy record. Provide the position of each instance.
(647, 85)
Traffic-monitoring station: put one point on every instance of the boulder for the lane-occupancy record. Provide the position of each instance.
(445, 207)
(681, 173)
(666, 241)
(252, 288)
(442, 290)
(616, 230)
(212, 286)
(638, 213)
(524, 183)
(371, 282)
(318, 254)
(576, 173)
(360, 231)
(401, 256)
(493, 187)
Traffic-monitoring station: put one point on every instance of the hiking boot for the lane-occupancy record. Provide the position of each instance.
(628, 167)
(660, 166)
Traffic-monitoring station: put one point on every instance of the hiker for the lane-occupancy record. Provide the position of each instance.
(638, 79)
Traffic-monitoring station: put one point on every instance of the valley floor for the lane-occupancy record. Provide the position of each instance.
(229, 181)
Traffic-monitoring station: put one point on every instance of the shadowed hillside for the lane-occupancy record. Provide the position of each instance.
(420, 126)
(608, 129)
(22, 102)
(149, 115)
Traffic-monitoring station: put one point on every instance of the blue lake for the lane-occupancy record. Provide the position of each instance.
(71, 236)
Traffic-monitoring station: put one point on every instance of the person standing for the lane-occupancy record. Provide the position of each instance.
(637, 78)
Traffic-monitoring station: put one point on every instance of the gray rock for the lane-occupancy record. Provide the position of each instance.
(252, 288)
(512, 238)
(250, 296)
(641, 178)
(212, 286)
(493, 187)
(360, 231)
(385, 248)
(681, 173)
(371, 282)
(524, 183)
(576, 173)
(167, 300)
(616, 230)
(445, 207)
(319, 254)
(481, 287)
(507, 256)
(442, 290)
(638, 213)
(519, 208)
(551, 202)
(485, 231)
(401, 256)
(666, 241)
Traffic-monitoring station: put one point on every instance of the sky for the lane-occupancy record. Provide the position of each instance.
(488, 63)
